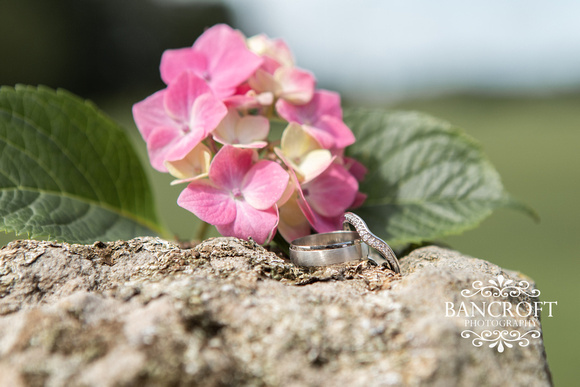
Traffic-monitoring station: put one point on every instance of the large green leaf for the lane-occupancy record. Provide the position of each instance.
(426, 178)
(67, 171)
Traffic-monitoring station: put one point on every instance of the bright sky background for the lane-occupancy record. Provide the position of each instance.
(396, 49)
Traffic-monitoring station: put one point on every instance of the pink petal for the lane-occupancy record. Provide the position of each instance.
(248, 100)
(241, 101)
(206, 113)
(341, 134)
(323, 137)
(289, 112)
(332, 192)
(338, 153)
(229, 61)
(356, 168)
(358, 200)
(323, 103)
(182, 94)
(327, 103)
(230, 165)
(183, 144)
(150, 114)
(269, 65)
(264, 184)
(297, 86)
(210, 204)
(175, 62)
(318, 222)
(159, 144)
(327, 224)
(250, 222)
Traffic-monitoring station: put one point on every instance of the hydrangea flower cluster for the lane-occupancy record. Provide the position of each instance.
(210, 128)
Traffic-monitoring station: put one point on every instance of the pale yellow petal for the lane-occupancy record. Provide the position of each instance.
(293, 224)
(296, 143)
(225, 133)
(252, 128)
(262, 82)
(191, 166)
(314, 163)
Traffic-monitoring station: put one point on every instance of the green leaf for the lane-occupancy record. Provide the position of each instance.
(426, 178)
(67, 171)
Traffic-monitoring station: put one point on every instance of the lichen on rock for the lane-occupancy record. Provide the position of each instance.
(229, 312)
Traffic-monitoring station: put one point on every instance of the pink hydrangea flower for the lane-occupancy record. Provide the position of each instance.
(219, 56)
(321, 118)
(175, 120)
(210, 128)
(240, 196)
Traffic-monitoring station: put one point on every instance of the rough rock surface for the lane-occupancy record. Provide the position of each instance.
(227, 312)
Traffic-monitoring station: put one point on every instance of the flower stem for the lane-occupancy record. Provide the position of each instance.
(202, 231)
(212, 145)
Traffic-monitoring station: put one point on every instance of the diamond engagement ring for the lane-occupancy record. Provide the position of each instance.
(328, 248)
(371, 240)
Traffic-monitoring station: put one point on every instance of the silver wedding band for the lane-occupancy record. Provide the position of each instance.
(342, 246)
(327, 249)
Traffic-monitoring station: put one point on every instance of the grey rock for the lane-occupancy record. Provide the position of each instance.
(228, 312)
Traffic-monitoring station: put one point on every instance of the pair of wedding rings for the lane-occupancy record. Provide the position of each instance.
(343, 246)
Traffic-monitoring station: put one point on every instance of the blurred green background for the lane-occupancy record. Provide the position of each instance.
(109, 52)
